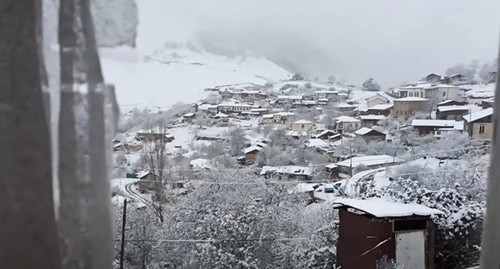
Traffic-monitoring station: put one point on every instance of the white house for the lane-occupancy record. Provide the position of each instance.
(346, 124)
(302, 126)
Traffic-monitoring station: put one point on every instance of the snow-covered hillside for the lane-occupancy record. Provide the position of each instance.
(172, 75)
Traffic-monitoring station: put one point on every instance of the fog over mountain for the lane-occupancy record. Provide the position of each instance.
(390, 40)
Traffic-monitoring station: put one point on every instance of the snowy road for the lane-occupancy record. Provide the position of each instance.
(134, 194)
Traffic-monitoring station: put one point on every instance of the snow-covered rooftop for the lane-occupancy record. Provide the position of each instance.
(380, 107)
(325, 132)
(207, 107)
(252, 148)
(285, 114)
(474, 116)
(443, 86)
(346, 119)
(423, 85)
(382, 208)
(480, 90)
(200, 164)
(382, 94)
(370, 160)
(303, 122)
(317, 143)
(433, 123)
(364, 131)
(455, 108)
(293, 170)
(372, 117)
(411, 99)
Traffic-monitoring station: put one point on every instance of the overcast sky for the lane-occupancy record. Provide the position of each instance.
(390, 40)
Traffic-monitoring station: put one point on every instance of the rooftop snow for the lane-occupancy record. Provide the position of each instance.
(293, 170)
(325, 132)
(252, 148)
(346, 119)
(380, 107)
(455, 108)
(480, 90)
(382, 94)
(364, 131)
(317, 143)
(207, 107)
(474, 116)
(372, 117)
(418, 86)
(443, 86)
(381, 208)
(200, 164)
(303, 122)
(410, 99)
(370, 160)
(433, 123)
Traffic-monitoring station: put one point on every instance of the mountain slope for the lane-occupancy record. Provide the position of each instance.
(179, 74)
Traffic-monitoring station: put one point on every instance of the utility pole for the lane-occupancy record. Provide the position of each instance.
(124, 222)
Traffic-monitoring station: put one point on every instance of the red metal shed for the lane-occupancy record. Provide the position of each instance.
(373, 228)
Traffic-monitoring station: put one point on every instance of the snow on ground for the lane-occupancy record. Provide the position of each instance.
(183, 137)
(118, 184)
(430, 163)
(178, 75)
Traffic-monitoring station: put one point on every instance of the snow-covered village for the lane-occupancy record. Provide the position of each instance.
(295, 164)
(160, 134)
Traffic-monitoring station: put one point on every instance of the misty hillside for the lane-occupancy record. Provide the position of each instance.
(171, 75)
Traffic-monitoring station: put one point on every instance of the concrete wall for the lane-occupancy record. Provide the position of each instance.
(302, 127)
(488, 130)
(407, 109)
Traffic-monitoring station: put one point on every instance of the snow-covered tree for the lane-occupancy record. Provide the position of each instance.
(468, 71)
(331, 79)
(458, 234)
(237, 141)
(254, 230)
(140, 231)
(485, 73)
(370, 85)
(297, 76)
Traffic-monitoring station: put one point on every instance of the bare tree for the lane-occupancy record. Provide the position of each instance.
(155, 154)
(28, 228)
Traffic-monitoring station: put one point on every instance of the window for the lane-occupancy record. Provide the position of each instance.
(481, 129)
(410, 94)
(444, 94)
(303, 126)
